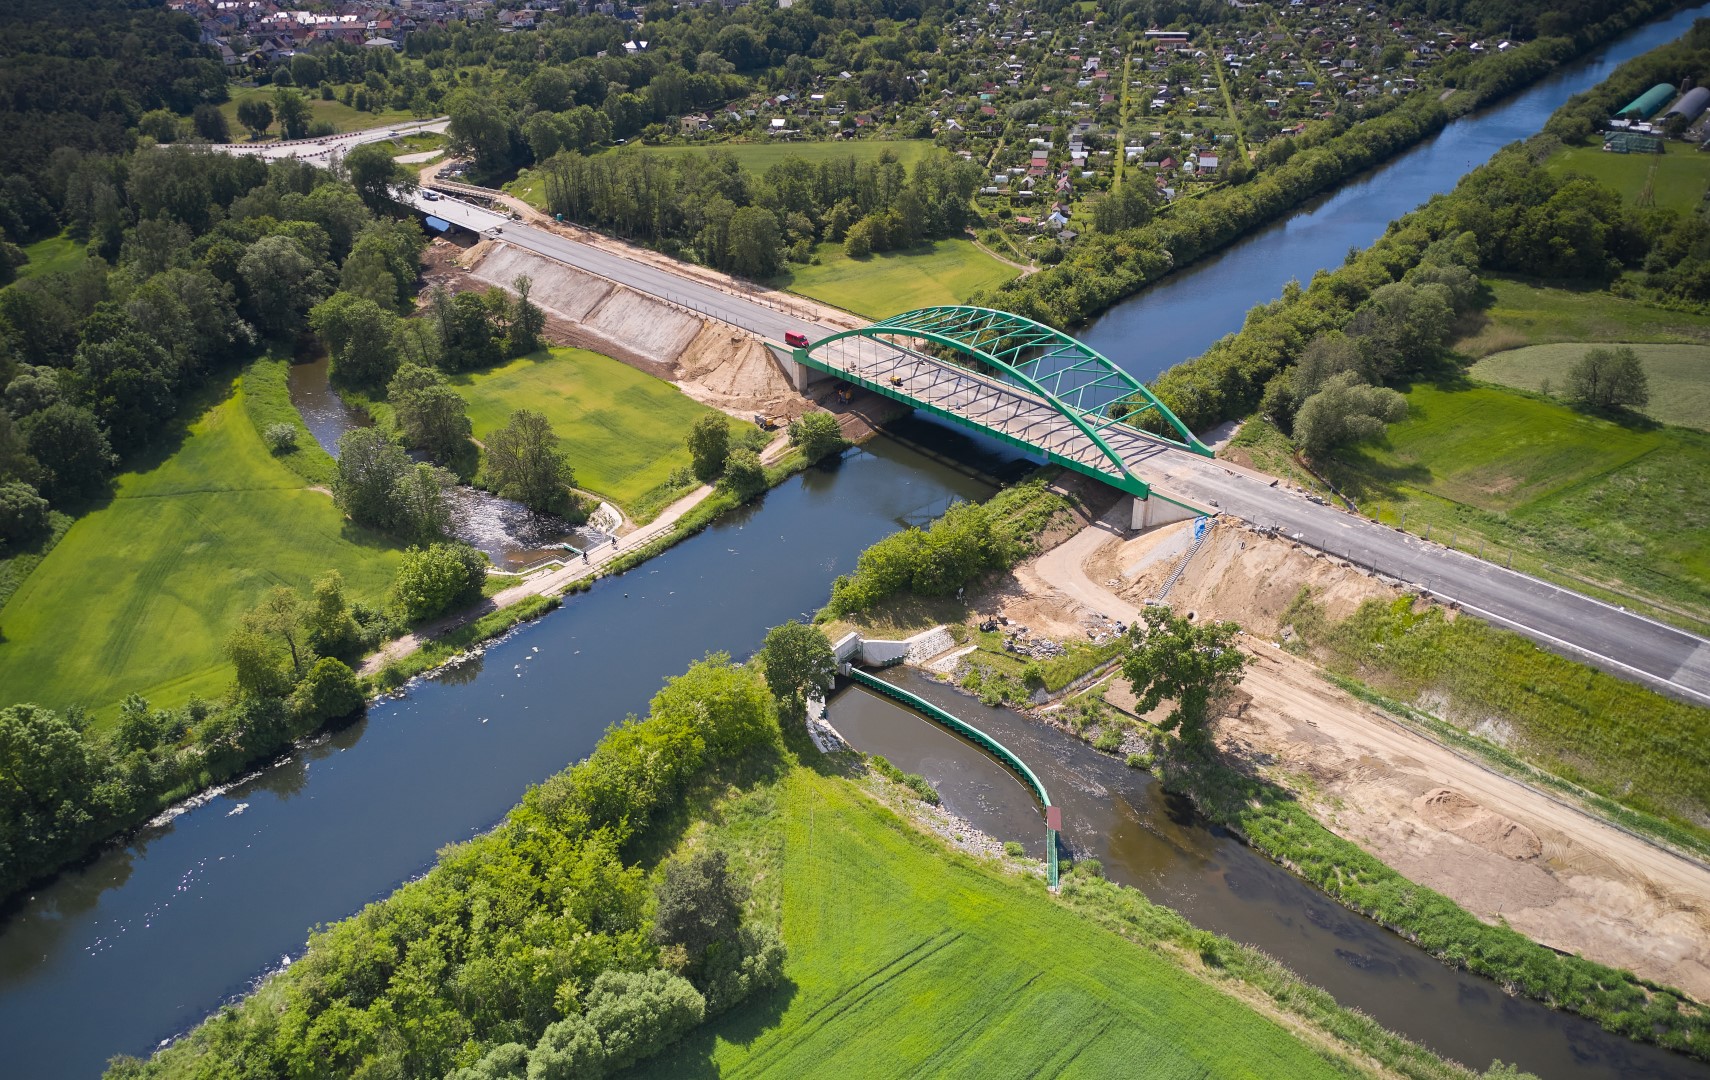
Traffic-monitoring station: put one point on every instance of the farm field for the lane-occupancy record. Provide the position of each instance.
(1524, 314)
(1673, 180)
(624, 430)
(1572, 497)
(141, 592)
(943, 272)
(954, 970)
(340, 115)
(1679, 376)
(54, 255)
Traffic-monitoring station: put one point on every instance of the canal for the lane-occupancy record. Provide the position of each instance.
(1157, 843)
(147, 939)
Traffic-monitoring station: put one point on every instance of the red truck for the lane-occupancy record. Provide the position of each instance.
(796, 340)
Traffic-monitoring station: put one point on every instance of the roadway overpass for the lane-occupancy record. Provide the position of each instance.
(1610, 637)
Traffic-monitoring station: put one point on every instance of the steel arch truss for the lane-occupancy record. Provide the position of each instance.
(1013, 378)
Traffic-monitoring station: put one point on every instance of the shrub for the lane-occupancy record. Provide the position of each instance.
(327, 691)
(23, 513)
(280, 438)
(913, 781)
(817, 435)
(1013, 849)
(744, 476)
(435, 579)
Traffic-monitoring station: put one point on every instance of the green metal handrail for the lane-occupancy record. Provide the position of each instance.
(979, 738)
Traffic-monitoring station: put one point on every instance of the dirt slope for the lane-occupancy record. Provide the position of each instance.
(1500, 849)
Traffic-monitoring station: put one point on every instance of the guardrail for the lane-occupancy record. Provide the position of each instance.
(982, 740)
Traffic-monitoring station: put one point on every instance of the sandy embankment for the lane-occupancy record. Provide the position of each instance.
(1500, 849)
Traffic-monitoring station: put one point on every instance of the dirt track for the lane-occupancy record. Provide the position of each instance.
(1500, 849)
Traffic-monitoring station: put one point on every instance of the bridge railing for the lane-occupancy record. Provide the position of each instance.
(978, 738)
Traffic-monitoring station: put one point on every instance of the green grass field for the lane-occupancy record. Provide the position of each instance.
(755, 157)
(1673, 180)
(905, 960)
(1679, 376)
(341, 116)
(623, 430)
(1576, 498)
(942, 272)
(54, 255)
(1523, 314)
(140, 594)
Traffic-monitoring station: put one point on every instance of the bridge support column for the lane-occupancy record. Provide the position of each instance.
(1156, 510)
(802, 377)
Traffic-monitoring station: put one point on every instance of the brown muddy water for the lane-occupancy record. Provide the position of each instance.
(1156, 842)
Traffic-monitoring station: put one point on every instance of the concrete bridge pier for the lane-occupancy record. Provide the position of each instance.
(1156, 510)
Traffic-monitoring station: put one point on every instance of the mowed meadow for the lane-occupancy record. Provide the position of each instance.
(142, 591)
(905, 960)
(623, 429)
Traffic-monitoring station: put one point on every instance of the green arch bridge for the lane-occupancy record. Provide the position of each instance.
(1022, 382)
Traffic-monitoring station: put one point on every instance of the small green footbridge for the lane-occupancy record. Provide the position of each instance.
(1019, 381)
(982, 740)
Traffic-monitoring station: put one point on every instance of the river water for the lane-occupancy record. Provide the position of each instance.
(1179, 318)
(1158, 844)
(147, 939)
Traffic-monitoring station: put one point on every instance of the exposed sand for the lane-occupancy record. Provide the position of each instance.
(1500, 849)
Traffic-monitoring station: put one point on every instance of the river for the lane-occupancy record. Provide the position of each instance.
(1182, 315)
(1157, 843)
(147, 939)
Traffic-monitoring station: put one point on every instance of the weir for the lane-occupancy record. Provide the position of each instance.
(1053, 816)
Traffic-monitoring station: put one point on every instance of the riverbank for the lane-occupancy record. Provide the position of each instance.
(1101, 270)
(1509, 854)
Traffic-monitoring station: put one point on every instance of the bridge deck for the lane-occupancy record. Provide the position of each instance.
(1010, 413)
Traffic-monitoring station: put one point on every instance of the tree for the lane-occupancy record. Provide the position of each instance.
(1127, 206)
(328, 625)
(637, 1012)
(1608, 379)
(259, 663)
(799, 664)
(709, 443)
(161, 125)
(210, 123)
(1190, 664)
(430, 414)
(438, 578)
(23, 513)
(1345, 410)
(48, 776)
(744, 475)
(817, 434)
(283, 279)
(293, 113)
(280, 616)
(327, 691)
(360, 335)
(569, 1049)
(373, 173)
(754, 243)
(256, 115)
(527, 320)
(379, 486)
(700, 906)
(525, 464)
(68, 444)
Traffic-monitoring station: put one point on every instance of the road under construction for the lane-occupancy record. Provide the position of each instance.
(940, 361)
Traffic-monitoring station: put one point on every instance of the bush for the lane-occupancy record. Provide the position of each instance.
(1109, 740)
(328, 690)
(280, 438)
(817, 435)
(636, 1013)
(744, 476)
(913, 781)
(23, 513)
(435, 579)
(1013, 849)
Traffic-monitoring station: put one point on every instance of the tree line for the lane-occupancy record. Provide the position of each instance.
(1386, 314)
(1103, 268)
(553, 952)
(706, 207)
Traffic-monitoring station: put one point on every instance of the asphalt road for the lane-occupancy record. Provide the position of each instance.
(323, 151)
(1619, 641)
